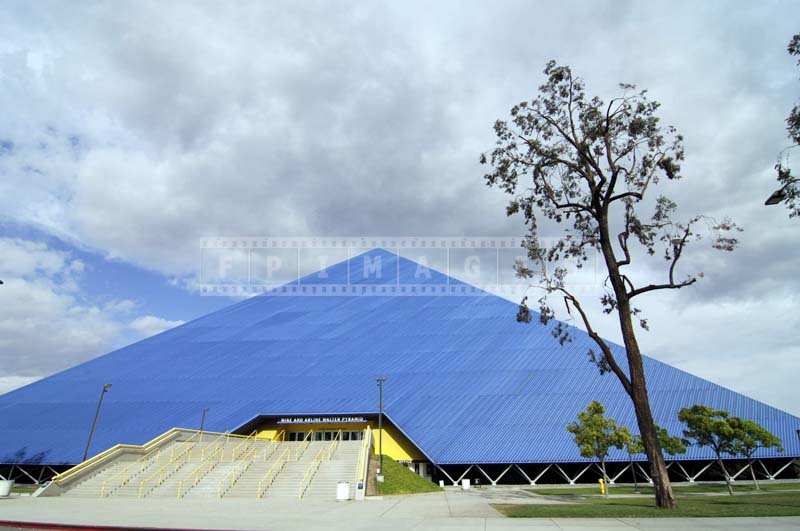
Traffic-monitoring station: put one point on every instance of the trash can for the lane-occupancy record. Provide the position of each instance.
(465, 484)
(5, 487)
(342, 491)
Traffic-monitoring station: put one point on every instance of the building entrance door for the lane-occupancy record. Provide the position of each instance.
(328, 435)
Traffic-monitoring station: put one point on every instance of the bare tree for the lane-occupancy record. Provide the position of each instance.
(588, 166)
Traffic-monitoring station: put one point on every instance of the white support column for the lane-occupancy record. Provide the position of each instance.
(620, 473)
(767, 472)
(541, 474)
(446, 474)
(587, 467)
(564, 474)
(745, 467)
(701, 471)
(689, 478)
(503, 473)
(784, 467)
(462, 475)
(484, 474)
(26, 473)
(532, 482)
(645, 474)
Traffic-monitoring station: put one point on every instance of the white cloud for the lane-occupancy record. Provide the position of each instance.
(46, 321)
(139, 129)
(150, 325)
(9, 383)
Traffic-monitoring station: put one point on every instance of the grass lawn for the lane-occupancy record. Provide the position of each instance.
(19, 489)
(775, 504)
(400, 480)
(678, 489)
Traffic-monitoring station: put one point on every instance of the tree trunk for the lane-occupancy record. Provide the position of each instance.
(605, 477)
(633, 471)
(665, 498)
(662, 486)
(753, 475)
(727, 477)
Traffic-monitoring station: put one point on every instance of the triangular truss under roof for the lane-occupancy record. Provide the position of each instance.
(466, 382)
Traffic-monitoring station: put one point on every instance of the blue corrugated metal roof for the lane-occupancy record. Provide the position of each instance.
(466, 382)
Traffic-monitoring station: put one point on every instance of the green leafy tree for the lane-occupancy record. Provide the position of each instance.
(595, 434)
(712, 428)
(670, 445)
(590, 167)
(750, 436)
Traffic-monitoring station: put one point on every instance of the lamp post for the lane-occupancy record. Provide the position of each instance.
(103, 392)
(380, 380)
(203, 419)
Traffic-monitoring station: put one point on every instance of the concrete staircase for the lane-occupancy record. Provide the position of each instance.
(248, 483)
(288, 481)
(199, 468)
(138, 467)
(341, 467)
(209, 485)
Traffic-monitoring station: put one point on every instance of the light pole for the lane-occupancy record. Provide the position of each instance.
(380, 380)
(203, 419)
(103, 392)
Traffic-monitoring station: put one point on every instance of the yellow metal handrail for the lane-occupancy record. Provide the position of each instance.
(124, 476)
(363, 456)
(272, 472)
(212, 447)
(301, 448)
(270, 449)
(206, 466)
(173, 465)
(190, 442)
(325, 452)
(243, 446)
(112, 452)
(230, 479)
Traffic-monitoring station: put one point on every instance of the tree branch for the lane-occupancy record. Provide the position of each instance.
(607, 354)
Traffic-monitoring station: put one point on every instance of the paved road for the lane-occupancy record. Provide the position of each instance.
(449, 510)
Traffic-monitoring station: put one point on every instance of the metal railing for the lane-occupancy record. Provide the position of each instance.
(230, 479)
(102, 458)
(325, 453)
(207, 464)
(243, 446)
(214, 446)
(175, 463)
(270, 449)
(301, 448)
(272, 472)
(129, 472)
(363, 457)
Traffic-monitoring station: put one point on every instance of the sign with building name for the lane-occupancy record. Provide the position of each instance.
(320, 420)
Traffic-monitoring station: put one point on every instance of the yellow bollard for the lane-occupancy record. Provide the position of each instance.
(602, 486)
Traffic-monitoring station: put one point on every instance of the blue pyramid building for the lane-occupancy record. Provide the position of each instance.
(466, 383)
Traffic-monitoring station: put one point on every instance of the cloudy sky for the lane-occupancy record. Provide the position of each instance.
(130, 131)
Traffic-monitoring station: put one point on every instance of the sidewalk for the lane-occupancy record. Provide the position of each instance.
(449, 510)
